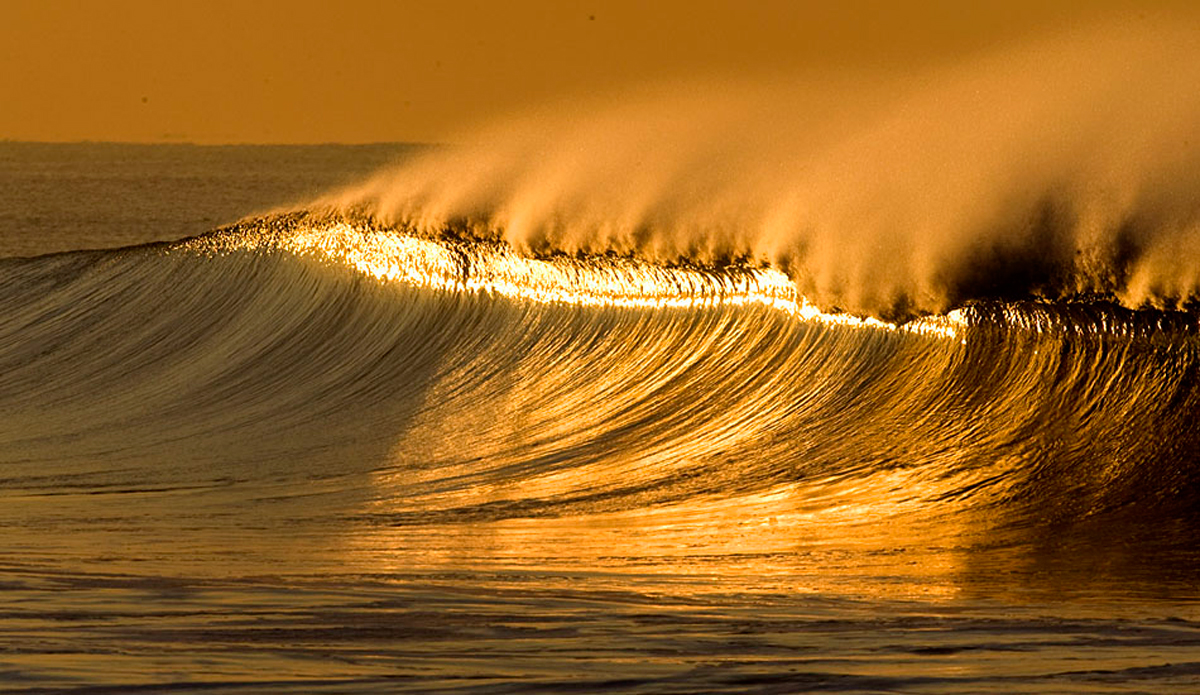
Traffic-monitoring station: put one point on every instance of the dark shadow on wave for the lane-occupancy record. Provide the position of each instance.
(1044, 256)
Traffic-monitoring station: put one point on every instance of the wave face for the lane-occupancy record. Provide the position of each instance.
(352, 373)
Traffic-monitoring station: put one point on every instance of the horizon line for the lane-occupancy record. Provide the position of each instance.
(191, 143)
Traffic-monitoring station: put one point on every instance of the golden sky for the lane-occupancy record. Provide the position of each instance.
(358, 71)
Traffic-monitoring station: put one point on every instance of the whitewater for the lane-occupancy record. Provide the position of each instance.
(612, 400)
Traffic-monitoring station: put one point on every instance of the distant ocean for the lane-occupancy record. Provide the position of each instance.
(250, 443)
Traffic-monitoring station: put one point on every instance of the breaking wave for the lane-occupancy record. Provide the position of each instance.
(470, 382)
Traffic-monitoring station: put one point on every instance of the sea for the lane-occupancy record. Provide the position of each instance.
(250, 444)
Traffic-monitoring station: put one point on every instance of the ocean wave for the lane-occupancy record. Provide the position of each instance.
(469, 382)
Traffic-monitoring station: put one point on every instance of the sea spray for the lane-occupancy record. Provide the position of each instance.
(1063, 166)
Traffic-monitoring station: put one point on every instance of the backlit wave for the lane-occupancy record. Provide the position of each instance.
(365, 377)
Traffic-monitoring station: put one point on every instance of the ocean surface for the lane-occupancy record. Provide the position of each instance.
(253, 445)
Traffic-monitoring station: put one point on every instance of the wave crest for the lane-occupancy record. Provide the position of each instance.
(1059, 167)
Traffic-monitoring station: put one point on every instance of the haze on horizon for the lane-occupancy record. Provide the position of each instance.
(224, 71)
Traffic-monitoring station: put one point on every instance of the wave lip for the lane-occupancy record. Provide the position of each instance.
(454, 263)
(475, 262)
